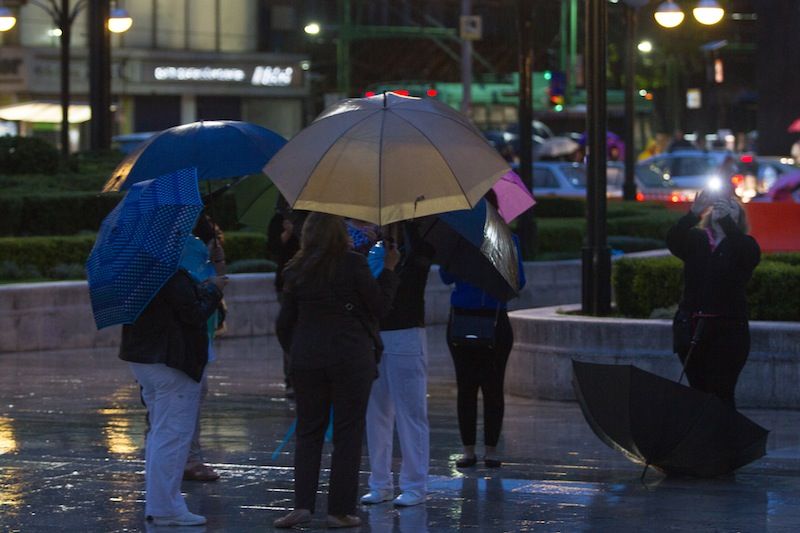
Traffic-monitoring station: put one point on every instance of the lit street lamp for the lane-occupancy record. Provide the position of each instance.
(670, 15)
(63, 15)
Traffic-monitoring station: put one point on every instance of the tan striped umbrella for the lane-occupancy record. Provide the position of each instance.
(386, 158)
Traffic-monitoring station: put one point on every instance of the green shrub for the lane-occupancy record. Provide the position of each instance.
(45, 253)
(67, 271)
(560, 234)
(783, 257)
(251, 265)
(643, 285)
(11, 271)
(653, 225)
(63, 257)
(244, 245)
(630, 244)
(555, 207)
(27, 155)
(774, 292)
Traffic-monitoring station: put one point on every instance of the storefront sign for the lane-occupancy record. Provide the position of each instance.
(198, 74)
(272, 76)
(269, 76)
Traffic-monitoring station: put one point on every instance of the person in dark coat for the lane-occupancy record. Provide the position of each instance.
(167, 350)
(329, 324)
(719, 259)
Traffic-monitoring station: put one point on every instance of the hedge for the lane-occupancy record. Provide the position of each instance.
(46, 253)
(27, 155)
(643, 285)
(70, 213)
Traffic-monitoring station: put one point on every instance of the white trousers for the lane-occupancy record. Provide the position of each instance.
(399, 396)
(172, 400)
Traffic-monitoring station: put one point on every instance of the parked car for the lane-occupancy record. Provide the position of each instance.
(566, 180)
(649, 185)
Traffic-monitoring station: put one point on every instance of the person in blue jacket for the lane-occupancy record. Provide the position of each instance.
(481, 368)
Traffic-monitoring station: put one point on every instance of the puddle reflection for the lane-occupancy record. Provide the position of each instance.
(8, 442)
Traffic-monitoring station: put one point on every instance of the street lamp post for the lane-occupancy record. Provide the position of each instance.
(596, 256)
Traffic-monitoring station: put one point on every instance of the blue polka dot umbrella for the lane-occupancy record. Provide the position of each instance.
(139, 245)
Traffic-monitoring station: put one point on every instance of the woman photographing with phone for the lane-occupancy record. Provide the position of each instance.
(719, 258)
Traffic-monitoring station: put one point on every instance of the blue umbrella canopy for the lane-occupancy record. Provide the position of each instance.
(139, 245)
(219, 149)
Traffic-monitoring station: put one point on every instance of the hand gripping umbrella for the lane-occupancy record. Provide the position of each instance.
(139, 246)
(218, 149)
(476, 246)
(658, 422)
(386, 158)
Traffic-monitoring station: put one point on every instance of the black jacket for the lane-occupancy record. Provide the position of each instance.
(172, 328)
(714, 282)
(408, 308)
(324, 325)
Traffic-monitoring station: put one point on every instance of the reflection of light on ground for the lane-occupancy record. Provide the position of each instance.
(10, 492)
(117, 431)
(7, 441)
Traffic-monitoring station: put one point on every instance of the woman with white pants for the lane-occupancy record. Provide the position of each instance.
(399, 395)
(167, 349)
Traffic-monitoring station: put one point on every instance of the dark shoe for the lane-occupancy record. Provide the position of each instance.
(347, 520)
(492, 463)
(200, 472)
(296, 517)
(466, 462)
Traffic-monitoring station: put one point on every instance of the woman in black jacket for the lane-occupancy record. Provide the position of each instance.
(329, 324)
(167, 349)
(719, 259)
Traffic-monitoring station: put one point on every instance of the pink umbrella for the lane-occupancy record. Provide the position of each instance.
(513, 197)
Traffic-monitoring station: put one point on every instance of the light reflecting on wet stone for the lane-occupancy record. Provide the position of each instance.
(71, 437)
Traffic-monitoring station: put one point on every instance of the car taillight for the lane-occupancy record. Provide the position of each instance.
(639, 196)
(674, 198)
(737, 179)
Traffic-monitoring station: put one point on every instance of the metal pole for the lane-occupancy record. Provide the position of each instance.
(596, 290)
(525, 225)
(65, 25)
(466, 64)
(629, 187)
(99, 75)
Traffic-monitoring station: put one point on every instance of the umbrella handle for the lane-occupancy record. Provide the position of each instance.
(698, 332)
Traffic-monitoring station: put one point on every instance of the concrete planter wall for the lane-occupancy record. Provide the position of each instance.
(57, 315)
(546, 341)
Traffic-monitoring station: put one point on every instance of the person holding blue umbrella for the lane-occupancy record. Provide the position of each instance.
(134, 279)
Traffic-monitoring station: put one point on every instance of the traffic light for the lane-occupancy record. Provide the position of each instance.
(558, 82)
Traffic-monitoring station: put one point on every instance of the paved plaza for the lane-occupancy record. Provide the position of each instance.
(71, 435)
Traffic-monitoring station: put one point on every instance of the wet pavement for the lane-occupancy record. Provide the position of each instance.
(71, 435)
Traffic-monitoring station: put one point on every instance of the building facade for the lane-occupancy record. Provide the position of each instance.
(181, 61)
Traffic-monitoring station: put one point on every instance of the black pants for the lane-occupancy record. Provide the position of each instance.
(719, 357)
(485, 370)
(346, 388)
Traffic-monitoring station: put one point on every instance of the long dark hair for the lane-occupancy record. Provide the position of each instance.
(323, 241)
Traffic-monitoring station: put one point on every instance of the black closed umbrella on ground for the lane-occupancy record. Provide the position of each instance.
(658, 422)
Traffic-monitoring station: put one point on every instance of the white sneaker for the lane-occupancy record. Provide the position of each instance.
(377, 496)
(407, 499)
(185, 519)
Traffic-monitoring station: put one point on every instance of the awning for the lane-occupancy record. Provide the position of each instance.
(44, 112)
